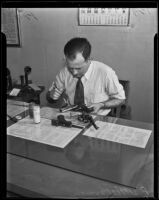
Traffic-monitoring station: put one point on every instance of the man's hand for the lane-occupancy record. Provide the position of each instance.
(96, 107)
(107, 104)
(49, 99)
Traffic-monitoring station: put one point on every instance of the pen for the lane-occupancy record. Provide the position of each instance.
(67, 109)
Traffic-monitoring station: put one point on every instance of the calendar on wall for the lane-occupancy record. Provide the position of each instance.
(104, 16)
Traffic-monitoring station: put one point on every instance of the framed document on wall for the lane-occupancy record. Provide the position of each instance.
(10, 26)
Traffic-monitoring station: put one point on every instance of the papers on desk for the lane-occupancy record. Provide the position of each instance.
(43, 132)
(14, 92)
(103, 112)
(18, 103)
(34, 87)
(16, 107)
(49, 113)
(118, 133)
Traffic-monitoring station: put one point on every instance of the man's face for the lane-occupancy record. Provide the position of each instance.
(78, 66)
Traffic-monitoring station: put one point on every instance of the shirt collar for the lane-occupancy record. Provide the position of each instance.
(89, 71)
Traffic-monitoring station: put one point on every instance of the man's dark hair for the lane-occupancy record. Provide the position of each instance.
(76, 45)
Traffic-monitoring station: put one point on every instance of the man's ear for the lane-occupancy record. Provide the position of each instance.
(64, 59)
(88, 60)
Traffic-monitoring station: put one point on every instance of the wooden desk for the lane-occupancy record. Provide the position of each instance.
(44, 171)
(34, 179)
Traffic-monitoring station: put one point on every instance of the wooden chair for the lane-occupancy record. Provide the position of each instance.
(123, 111)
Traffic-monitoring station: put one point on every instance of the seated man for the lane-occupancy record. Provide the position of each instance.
(86, 81)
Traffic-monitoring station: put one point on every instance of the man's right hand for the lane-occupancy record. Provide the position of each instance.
(49, 99)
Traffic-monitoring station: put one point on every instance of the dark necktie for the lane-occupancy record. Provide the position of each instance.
(79, 93)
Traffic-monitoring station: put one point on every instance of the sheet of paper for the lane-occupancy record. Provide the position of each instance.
(14, 92)
(52, 113)
(118, 133)
(18, 103)
(34, 87)
(49, 113)
(43, 132)
(16, 107)
(103, 112)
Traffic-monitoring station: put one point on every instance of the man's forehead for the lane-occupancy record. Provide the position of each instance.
(79, 56)
(78, 59)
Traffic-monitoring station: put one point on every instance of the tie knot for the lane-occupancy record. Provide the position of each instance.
(79, 78)
(79, 81)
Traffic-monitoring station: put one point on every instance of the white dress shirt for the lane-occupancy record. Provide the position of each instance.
(100, 83)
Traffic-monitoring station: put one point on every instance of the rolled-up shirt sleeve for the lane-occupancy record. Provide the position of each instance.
(57, 86)
(113, 87)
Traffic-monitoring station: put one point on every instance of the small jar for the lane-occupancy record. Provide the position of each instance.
(36, 113)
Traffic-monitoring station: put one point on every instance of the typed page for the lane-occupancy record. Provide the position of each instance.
(43, 132)
(118, 133)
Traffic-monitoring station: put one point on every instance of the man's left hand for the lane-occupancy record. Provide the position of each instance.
(96, 107)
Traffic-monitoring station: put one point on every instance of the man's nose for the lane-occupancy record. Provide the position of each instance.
(74, 71)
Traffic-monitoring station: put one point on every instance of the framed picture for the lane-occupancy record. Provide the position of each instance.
(10, 26)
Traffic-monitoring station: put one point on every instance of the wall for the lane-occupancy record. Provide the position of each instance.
(128, 50)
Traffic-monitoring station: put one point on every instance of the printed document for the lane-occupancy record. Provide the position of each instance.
(43, 132)
(18, 103)
(118, 133)
(14, 92)
(49, 113)
(16, 107)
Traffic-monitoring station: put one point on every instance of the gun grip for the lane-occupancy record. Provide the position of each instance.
(63, 122)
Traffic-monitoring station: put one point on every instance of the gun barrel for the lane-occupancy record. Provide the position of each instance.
(92, 122)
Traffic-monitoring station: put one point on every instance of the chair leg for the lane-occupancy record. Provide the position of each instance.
(118, 111)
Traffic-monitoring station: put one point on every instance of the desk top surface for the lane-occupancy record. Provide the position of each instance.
(102, 159)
